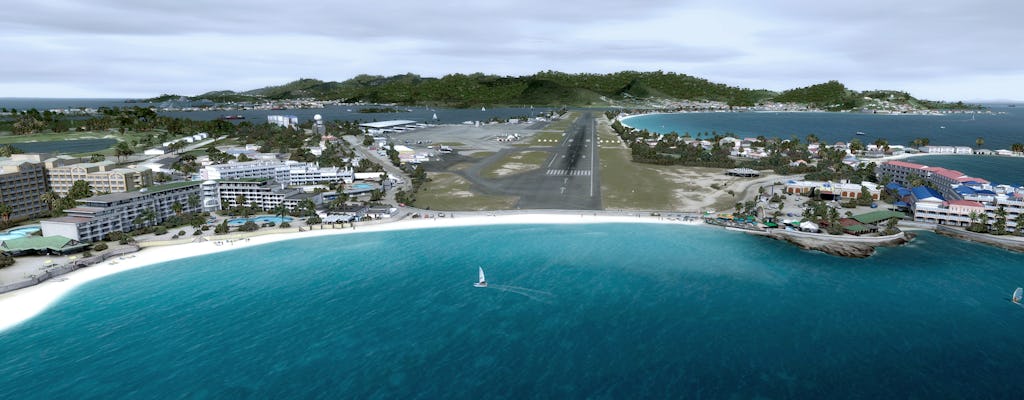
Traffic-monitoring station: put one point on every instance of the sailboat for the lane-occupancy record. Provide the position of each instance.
(435, 116)
(1018, 294)
(483, 109)
(483, 281)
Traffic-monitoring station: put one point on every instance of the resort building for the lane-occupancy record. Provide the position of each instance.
(22, 183)
(834, 191)
(103, 176)
(97, 216)
(286, 172)
(265, 194)
(287, 121)
(947, 150)
(944, 179)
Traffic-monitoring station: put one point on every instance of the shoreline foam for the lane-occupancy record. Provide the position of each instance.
(21, 305)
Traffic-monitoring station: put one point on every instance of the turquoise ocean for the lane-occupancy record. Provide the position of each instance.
(573, 311)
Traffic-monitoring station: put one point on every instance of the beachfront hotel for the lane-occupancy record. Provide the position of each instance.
(286, 172)
(265, 194)
(956, 197)
(103, 176)
(22, 182)
(97, 216)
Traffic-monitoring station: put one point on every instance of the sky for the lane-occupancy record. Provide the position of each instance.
(937, 49)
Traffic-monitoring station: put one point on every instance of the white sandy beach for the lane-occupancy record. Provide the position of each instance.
(21, 305)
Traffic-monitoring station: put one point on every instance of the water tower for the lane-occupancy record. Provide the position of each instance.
(318, 125)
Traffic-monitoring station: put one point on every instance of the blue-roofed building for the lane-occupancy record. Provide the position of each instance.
(925, 193)
(964, 190)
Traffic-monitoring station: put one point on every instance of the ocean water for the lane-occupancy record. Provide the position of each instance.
(573, 311)
(329, 113)
(998, 130)
(999, 170)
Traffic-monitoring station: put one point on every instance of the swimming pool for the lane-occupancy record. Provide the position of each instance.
(20, 232)
(259, 220)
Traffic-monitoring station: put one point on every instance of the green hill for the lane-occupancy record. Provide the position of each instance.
(556, 89)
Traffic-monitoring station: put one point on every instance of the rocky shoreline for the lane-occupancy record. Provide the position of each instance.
(853, 247)
(1004, 242)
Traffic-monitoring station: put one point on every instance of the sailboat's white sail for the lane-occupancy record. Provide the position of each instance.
(435, 116)
(483, 281)
(1018, 294)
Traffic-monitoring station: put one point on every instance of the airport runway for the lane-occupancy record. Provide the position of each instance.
(569, 179)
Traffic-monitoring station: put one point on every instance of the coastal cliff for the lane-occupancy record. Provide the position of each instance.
(854, 247)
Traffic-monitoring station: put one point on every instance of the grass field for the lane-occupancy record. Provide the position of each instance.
(626, 185)
(446, 191)
(515, 163)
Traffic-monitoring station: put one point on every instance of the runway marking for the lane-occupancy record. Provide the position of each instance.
(565, 172)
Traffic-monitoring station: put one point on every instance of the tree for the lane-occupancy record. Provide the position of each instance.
(222, 228)
(177, 207)
(5, 214)
(123, 149)
(193, 201)
(1017, 147)
(6, 150)
(248, 226)
(243, 158)
(97, 158)
(980, 141)
(177, 146)
(79, 190)
(973, 227)
(1000, 224)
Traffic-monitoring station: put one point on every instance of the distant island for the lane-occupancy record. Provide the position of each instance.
(627, 88)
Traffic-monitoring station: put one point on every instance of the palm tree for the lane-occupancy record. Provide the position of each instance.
(980, 141)
(51, 198)
(177, 207)
(193, 201)
(974, 221)
(1000, 224)
(5, 214)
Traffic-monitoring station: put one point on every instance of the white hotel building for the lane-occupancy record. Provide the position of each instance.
(287, 172)
(97, 216)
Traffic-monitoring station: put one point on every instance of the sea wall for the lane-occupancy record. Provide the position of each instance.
(840, 245)
(1012, 243)
(58, 270)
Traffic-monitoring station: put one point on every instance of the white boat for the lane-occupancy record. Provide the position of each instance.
(435, 116)
(859, 133)
(1018, 294)
(483, 109)
(483, 281)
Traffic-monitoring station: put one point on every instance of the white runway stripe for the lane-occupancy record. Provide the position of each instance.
(562, 172)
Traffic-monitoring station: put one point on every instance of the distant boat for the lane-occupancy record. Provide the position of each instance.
(859, 133)
(1012, 105)
(435, 116)
(942, 127)
(1018, 294)
(232, 117)
(483, 281)
(483, 109)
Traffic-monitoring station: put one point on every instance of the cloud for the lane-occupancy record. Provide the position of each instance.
(140, 49)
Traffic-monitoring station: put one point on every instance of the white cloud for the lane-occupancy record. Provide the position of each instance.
(112, 48)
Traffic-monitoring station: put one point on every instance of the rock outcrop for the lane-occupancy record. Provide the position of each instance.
(843, 246)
